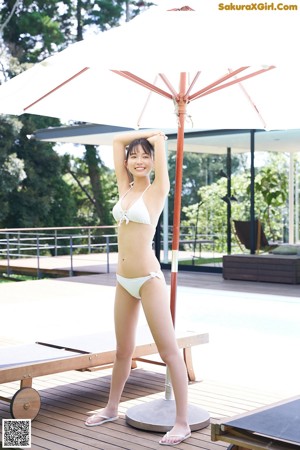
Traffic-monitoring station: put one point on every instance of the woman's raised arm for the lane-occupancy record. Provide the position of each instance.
(161, 180)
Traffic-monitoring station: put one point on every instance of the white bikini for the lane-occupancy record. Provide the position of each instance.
(137, 212)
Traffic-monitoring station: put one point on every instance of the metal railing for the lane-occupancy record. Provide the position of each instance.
(70, 242)
(59, 241)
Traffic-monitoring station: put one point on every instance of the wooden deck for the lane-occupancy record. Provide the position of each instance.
(237, 381)
(68, 398)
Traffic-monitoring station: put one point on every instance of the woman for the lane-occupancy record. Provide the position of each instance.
(139, 278)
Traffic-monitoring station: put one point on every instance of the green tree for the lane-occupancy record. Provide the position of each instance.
(271, 190)
(199, 170)
(43, 198)
(33, 30)
(12, 171)
(93, 186)
(105, 14)
(209, 215)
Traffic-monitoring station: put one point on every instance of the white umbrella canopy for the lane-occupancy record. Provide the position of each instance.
(116, 101)
(80, 84)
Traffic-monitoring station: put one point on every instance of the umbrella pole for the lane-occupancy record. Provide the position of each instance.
(181, 103)
(159, 415)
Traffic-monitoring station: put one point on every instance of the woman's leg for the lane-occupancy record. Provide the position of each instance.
(156, 305)
(126, 314)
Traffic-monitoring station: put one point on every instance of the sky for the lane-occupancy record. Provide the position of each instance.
(105, 152)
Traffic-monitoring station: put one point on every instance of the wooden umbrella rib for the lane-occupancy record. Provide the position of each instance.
(208, 90)
(192, 85)
(169, 85)
(253, 105)
(145, 105)
(216, 84)
(56, 88)
(141, 82)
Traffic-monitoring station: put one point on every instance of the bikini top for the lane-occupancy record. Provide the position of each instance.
(137, 212)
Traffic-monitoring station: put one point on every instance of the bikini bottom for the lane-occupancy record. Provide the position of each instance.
(133, 285)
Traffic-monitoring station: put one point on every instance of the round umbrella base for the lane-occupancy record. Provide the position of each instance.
(159, 415)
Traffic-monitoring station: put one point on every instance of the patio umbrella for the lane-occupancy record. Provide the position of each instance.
(177, 65)
(212, 46)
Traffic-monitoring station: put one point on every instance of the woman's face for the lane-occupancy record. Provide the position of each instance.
(139, 163)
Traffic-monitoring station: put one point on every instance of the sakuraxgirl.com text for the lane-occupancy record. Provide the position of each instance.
(257, 7)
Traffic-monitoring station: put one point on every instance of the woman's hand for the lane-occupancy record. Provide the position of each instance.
(121, 140)
(157, 137)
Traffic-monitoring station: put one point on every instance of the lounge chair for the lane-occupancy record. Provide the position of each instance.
(87, 352)
(242, 230)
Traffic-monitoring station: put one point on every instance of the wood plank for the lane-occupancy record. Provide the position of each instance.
(67, 399)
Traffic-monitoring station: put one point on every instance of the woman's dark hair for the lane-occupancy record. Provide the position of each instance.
(144, 143)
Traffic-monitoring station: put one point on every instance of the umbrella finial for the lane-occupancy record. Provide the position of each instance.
(183, 8)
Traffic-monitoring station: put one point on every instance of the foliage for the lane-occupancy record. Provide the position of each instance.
(36, 28)
(210, 214)
(271, 191)
(42, 198)
(93, 186)
(12, 171)
(199, 169)
(33, 30)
